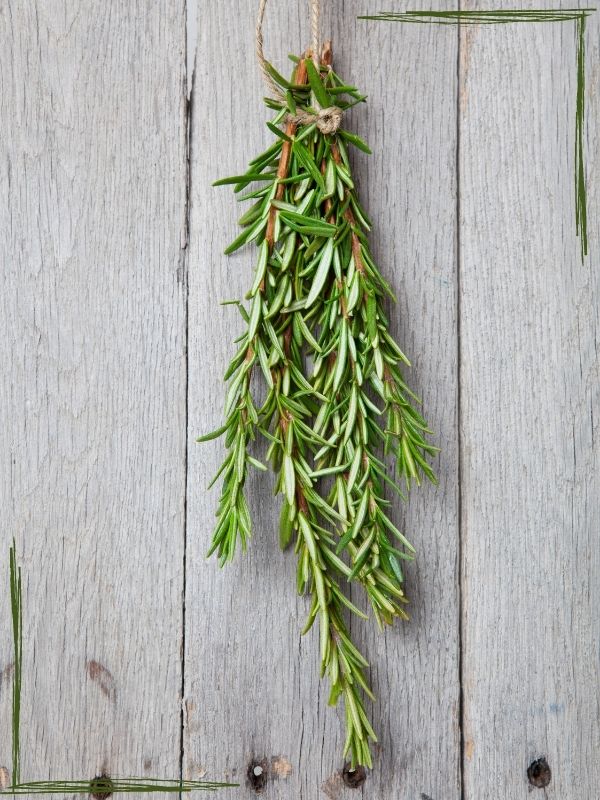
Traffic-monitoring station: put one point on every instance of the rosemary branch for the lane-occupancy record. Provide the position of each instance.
(337, 406)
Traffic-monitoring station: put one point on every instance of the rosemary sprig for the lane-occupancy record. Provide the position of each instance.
(504, 16)
(336, 404)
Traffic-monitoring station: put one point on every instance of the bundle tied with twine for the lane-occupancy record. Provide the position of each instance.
(329, 119)
(339, 421)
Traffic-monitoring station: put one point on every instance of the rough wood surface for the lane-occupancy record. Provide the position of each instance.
(530, 449)
(92, 397)
(113, 342)
(251, 681)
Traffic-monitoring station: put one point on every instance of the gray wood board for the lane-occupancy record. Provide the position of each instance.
(529, 407)
(252, 686)
(102, 307)
(92, 408)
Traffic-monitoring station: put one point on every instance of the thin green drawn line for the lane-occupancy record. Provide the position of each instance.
(98, 786)
(114, 786)
(498, 17)
(17, 625)
(490, 17)
(580, 192)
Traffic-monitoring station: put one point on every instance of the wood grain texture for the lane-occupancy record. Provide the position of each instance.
(101, 309)
(529, 414)
(252, 686)
(92, 404)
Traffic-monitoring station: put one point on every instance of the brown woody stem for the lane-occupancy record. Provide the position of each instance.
(300, 78)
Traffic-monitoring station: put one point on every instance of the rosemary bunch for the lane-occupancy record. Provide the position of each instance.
(337, 408)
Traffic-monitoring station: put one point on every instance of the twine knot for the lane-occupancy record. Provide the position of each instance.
(329, 119)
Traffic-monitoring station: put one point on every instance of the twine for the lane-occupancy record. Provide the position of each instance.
(327, 120)
(315, 16)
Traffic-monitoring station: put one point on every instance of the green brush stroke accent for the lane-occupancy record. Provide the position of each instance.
(114, 786)
(17, 624)
(492, 17)
(580, 195)
(498, 17)
(99, 785)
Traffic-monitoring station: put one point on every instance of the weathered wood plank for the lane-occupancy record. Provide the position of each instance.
(252, 688)
(92, 409)
(529, 389)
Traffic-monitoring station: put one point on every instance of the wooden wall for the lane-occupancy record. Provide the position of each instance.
(142, 658)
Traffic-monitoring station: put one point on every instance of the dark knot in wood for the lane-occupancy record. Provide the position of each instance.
(354, 778)
(258, 775)
(539, 773)
(101, 787)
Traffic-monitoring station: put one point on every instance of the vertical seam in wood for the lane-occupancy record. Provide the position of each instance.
(461, 752)
(187, 121)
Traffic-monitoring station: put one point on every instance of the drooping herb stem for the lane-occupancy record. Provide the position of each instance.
(337, 408)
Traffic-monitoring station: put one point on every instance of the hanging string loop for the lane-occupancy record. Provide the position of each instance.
(327, 120)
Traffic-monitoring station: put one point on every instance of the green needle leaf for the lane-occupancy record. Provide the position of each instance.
(289, 478)
(316, 85)
(321, 273)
